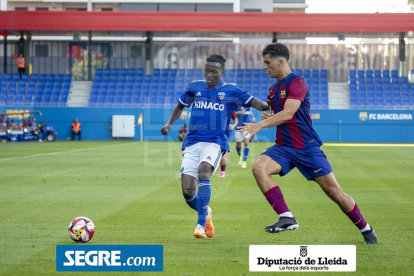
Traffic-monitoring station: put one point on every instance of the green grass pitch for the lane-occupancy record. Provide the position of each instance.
(131, 191)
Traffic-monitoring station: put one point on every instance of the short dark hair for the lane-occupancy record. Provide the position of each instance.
(276, 50)
(216, 58)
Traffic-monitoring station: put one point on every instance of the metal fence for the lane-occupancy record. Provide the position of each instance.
(64, 57)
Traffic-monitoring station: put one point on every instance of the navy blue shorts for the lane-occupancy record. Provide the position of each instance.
(311, 162)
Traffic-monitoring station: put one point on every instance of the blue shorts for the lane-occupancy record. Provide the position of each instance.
(311, 162)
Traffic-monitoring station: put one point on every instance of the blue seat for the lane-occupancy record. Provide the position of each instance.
(62, 101)
(117, 100)
(42, 77)
(140, 72)
(67, 78)
(59, 77)
(27, 100)
(54, 100)
(126, 102)
(403, 80)
(18, 101)
(92, 101)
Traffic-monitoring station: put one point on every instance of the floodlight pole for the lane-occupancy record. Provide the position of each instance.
(89, 5)
(149, 53)
(89, 56)
(274, 39)
(5, 54)
(402, 72)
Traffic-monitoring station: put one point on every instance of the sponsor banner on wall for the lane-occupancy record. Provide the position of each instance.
(302, 258)
(385, 116)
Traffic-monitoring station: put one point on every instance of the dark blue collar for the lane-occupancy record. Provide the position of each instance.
(221, 83)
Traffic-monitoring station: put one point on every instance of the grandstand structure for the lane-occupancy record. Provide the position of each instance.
(131, 87)
(131, 58)
(34, 89)
(380, 89)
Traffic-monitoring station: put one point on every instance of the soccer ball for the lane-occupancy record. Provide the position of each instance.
(81, 229)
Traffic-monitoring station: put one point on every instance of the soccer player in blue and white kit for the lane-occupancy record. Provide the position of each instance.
(297, 145)
(244, 115)
(212, 101)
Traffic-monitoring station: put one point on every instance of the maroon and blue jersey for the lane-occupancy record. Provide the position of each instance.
(297, 133)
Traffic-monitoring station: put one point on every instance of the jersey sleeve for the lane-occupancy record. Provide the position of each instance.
(186, 98)
(297, 89)
(244, 97)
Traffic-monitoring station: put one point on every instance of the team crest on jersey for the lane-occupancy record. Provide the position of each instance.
(221, 95)
(282, 94)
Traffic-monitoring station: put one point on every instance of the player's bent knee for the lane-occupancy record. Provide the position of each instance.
(259, 170)
(205, 170)
(188, 193)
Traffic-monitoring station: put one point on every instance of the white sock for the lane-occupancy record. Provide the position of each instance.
(366, 228)
(286, 214)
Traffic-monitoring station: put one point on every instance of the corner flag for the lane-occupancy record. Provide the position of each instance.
(139, 120)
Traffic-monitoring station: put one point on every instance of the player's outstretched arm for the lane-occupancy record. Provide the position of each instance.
(290, 108)
(175, 114)
(259, 105)
(265, 115)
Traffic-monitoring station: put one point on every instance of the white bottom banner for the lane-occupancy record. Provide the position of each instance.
(302, 258)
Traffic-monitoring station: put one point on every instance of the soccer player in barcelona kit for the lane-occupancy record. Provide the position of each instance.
(212, 101)
(297, 145)
(244, 115)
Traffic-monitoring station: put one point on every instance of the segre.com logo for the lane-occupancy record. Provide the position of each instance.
(109, 258)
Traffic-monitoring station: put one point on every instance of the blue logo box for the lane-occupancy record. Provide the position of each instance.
(109, 257)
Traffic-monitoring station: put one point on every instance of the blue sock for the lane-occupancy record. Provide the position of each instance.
(192, 201)
(238, 150)
(204, 193)
(246, 153)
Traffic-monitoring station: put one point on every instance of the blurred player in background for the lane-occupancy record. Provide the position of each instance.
(244, 115)
(182, 133)
(223, 162)
(297, 145)
(212, 102)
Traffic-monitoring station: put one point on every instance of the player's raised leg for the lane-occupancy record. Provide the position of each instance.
(347, 204)
(263, 169)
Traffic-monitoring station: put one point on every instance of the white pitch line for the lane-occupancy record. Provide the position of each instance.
(366, 145)
(61, 152)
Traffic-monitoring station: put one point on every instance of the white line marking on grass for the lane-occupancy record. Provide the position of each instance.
(216, 217)
(366, 145)
(62, 152)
